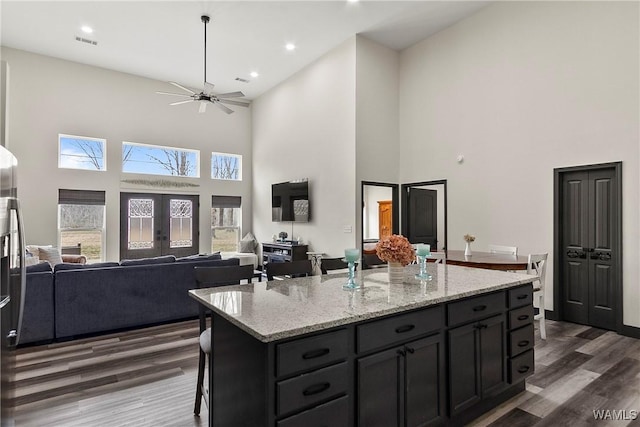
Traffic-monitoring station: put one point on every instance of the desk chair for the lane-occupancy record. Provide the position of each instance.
(333, 264)
(292, 269)
(438, 257)
(210, 277)
(537, 265)
(507, 250)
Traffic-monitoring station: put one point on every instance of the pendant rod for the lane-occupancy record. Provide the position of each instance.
(205, 20)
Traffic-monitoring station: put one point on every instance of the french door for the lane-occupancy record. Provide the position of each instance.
(158, 224)
(590, 233)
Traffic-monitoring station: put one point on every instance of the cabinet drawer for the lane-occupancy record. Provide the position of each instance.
(399, 328)
(334, 413)
(520, 340)
(305, 390)
(520, 296)
(475, 308)
(308, 353)
(521, 367)
(520, 317)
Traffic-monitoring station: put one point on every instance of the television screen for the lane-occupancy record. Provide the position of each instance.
(290, 201)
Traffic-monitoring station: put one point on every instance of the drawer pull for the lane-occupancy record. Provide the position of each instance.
(480, 308)
(523, 296)
(315, 389)
(405, 328)
(316, 353)
(523, 317)
(523, 369)
(523, 343)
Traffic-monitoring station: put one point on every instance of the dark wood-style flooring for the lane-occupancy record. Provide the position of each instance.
(147, 378)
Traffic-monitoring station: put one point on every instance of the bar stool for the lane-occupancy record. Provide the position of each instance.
(210, 277)
(537, 265)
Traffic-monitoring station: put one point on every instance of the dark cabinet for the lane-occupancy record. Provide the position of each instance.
(283, 252)
(477, 362)
(403, 386)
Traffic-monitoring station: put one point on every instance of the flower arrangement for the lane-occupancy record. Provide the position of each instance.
(469, 238)
(395, 248)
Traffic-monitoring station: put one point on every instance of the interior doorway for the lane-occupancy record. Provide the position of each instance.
(158, 224)
(424, 213)
(588, 245)
(380, 217)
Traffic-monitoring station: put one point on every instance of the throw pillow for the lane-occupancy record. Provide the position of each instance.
(50, 254)
(29, 260)
(248, 244)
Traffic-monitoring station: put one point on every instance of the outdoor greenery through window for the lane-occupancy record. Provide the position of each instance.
(225, 223)
(79, 152)
(81, 220)
(226, 166)
(159, 160)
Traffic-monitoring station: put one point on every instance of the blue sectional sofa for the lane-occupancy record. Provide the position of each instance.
(76, 300)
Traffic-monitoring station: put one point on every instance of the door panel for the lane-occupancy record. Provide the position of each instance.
(158, 224)
(378, 390)
(424, 382)
(590, 235)
(464, 368)
(493, 355)
(423, 216)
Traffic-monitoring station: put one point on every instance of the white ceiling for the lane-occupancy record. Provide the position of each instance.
(163, 40)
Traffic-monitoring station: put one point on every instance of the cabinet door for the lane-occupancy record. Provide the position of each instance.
(424, 382)
(378, 389)
(464, 367)
(493, 354)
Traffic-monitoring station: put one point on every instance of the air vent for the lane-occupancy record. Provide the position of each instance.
(83, 40)
(240, 79)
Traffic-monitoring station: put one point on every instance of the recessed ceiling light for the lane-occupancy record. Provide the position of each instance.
(352, 1)
(87, 29)
(254, 74)
(290, 46)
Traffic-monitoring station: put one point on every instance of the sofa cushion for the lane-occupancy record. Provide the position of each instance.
(201, 257)
(39, 268)
(149, 261)
(74, 266)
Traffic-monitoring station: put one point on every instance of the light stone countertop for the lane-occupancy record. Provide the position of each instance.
(271, 311)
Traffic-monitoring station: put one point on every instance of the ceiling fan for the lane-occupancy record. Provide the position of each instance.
(207, 95)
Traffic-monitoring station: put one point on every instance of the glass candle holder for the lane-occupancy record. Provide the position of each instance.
(351, 256)
(422, 252)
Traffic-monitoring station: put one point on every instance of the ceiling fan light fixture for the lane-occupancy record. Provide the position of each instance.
(207, 95)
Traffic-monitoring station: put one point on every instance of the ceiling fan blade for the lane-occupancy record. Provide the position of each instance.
(237, 94)
(223, 108)
(238, 103)
(208, 87)
(181, 102)
(203, 107)
(174, 94)
(183, 88)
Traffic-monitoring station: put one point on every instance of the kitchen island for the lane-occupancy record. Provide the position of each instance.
(305, 352)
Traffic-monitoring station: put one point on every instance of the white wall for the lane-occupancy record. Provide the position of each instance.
(51, 96)
(377, 150)
(305, 128)
(519, 89)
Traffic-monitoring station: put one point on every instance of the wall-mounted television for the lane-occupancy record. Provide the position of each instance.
(290, 201)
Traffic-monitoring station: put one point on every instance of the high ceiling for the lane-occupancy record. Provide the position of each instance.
(163, 40)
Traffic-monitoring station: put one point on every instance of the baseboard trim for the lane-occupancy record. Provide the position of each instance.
(630, 331)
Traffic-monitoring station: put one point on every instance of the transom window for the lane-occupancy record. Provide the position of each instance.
(81, 152)
(160, 160)
(226, 166)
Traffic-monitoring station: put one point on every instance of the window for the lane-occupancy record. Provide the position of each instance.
(225, 223)
(159, 160)
(81, 220)
(79, 152)
(226, 166)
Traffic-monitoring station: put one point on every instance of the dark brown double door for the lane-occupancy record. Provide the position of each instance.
(158, 224)
(590, 246)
